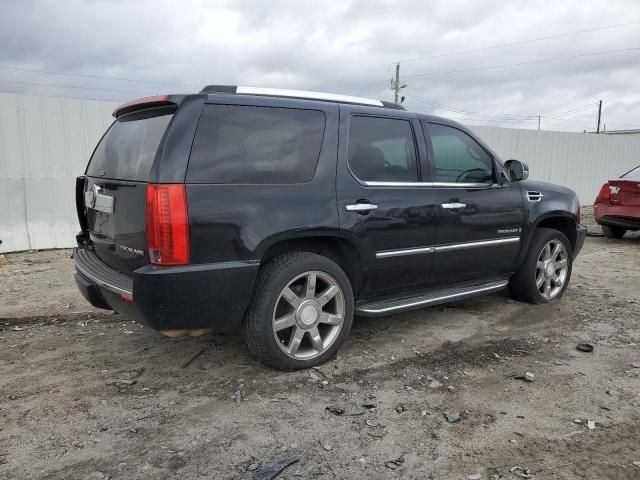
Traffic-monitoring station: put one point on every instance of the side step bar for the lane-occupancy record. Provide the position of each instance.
(386, 307)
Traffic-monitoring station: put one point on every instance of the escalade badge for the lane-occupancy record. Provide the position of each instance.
(135, 251)
(509, 230)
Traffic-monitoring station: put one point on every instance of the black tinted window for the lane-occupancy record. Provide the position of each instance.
(382, 150)
(239, 144)
(458, 158)
(633, 174)
(129, 147)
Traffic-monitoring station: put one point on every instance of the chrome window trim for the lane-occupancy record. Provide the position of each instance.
(102, 283)
(429, 184)
(309, 95)
(404, 251)
(445, 248)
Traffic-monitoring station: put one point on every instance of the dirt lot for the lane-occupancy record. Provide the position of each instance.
(88, 394)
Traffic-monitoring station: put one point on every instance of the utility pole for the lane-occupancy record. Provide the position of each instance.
(538, 122)
(599, 115)
(395, 84)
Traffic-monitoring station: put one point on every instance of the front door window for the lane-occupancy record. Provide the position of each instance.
(458, 158)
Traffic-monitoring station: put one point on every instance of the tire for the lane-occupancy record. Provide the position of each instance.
(524, 284)
(613, 232)
(284, 282)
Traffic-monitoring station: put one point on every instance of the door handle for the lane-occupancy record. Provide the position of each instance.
(453, 206)
(361, 207)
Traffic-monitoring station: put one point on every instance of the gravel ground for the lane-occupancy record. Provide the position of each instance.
(88, 394)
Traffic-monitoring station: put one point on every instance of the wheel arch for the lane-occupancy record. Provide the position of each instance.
(560, 221)
(329, 244)
(563, 223)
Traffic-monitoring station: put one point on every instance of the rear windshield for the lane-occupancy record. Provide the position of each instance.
(633, 174)
(127, 150)
(251, 145)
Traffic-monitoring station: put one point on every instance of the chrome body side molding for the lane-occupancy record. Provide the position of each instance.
(404, 251)
(480, 243)
(445, 248)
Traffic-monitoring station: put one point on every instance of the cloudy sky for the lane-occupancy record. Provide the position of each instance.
(118, 50)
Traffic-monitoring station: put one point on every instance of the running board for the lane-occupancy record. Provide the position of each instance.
(385, 307)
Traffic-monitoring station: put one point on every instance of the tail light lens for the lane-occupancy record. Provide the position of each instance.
(167, 224)
(81, 183)
(605, 194)
(578, 215)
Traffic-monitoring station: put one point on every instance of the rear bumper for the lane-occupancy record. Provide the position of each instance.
(624, 216)
(170, 298)
(628, 223)
(581, 233)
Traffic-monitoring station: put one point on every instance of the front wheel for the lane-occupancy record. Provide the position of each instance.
(613, 232)
(546, 270)
(301, 312)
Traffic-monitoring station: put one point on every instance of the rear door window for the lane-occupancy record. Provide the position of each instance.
(382, 150)
(457, 157)
(253, 145)
(128, 149)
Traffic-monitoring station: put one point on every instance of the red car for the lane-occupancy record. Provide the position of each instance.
(617, 206)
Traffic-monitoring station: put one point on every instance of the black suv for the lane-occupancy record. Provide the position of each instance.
(286, 212)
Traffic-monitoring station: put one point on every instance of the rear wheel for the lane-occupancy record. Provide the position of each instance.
(301, 312)
(546, 270)
(613, 232)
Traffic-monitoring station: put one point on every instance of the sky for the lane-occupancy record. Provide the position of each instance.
(486, 62)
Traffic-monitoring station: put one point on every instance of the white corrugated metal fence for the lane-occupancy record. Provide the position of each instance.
(45, 143)
(582, 162)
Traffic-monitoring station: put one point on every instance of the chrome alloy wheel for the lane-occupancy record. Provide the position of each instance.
(552, 269)
(308, 315)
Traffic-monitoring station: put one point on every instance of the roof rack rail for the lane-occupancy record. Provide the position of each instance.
(301, 94)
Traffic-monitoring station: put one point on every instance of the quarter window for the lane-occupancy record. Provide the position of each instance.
(457, 157)
(253, 145)
(382, 150)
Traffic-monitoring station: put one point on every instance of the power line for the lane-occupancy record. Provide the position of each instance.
(521, 42)
(102, 77)
(544, 60)
(72, 86)
(499, 116)
(502, 45)
(359, 74)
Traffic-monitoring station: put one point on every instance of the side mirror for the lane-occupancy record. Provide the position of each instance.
(516, 170)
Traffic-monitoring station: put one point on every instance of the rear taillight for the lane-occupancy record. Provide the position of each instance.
(167, 224)
(81, 208)
(605, 194)
(578, 215)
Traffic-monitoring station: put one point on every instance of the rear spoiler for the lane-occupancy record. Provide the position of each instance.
(140, 103)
